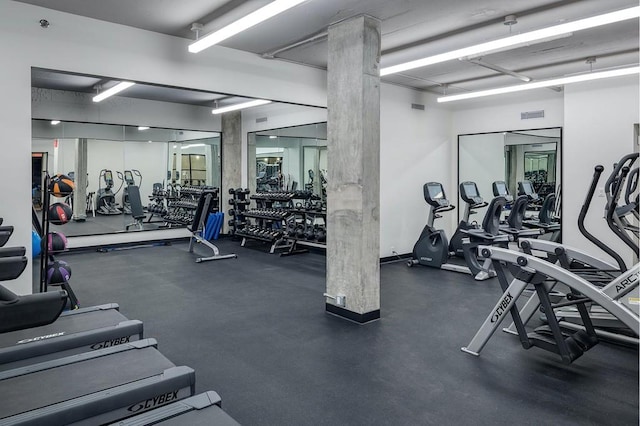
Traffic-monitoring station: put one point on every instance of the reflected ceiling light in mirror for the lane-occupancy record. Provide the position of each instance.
(246, 22)
(55, 122)
(193, 145)
(273, 137)
(545, 83)
(115, 89)
(243, 105)
(518, 40)
(143, 128)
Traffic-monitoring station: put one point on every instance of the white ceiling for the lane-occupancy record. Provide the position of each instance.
(411, 29)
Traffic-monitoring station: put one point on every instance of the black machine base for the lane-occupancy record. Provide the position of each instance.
(353, 316)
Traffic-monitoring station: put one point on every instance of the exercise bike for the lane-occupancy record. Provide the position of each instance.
(105, 197)
(432, 248)
(471, 196)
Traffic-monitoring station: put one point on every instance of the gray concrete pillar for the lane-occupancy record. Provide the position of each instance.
(231, 159)
(251, 162)
(80, 190)
(353, 192)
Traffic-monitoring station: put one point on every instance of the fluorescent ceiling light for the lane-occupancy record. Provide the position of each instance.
(54, 122)
(544, 83)
(115, 89)
(254, 18)
(240, 106)
(518, 40)
(273, 137)
(143, 128)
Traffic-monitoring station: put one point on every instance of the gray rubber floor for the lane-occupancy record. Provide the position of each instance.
(255, 331)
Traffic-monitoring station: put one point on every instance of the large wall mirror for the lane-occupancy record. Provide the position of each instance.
(292, 158)
(158, 138)
(515, 157)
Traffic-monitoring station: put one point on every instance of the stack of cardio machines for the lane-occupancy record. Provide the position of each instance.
(88, 366)
(600, 293)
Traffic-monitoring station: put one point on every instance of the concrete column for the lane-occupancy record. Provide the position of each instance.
(231, 159)
(251, 162)
(353, 192)
(80, 190)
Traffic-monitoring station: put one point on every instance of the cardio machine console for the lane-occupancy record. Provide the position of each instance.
(470, 194)
(434, 194)
(128, 177)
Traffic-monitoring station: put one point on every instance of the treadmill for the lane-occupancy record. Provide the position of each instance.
(33, 328)
(201, 410)
(93, 388)
(76, 331)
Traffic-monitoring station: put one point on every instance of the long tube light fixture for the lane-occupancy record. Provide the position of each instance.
(115, 89)
(246, 22)
(517, 40)
(544, 83)
(242, 105)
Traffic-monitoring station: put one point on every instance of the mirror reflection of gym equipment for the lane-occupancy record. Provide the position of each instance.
(293, 158)
(528, 159)
(118, 160)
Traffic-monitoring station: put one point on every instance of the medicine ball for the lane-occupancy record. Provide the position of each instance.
(59, 213)
(35, 243)
(58, 272)
(61, 185)
(56, 241)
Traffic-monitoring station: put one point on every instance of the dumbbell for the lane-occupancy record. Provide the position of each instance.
(321, 234)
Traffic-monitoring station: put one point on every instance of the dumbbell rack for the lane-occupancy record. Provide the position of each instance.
(181, 210)
(267, 218)
(239, 204)
(301, 228)
(159, 201)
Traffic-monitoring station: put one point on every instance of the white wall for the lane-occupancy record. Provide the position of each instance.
(483, 158)
(598, 129)
(416, 147)
(150, 159)
(78, 44)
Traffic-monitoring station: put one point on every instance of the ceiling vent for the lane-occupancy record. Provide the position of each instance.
(417, 106)
(261, 120)
(531, 114)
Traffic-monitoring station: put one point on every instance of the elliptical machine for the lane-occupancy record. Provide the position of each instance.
(106, 198)
(129, 181)
(471, 196)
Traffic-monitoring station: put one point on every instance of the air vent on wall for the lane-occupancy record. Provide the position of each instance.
(532, 114)
(417, 106)
(261, 120)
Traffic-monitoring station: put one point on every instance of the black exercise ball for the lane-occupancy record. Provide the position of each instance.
(59, 213)
(58, 272)
(61, 185)
(56, 242)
